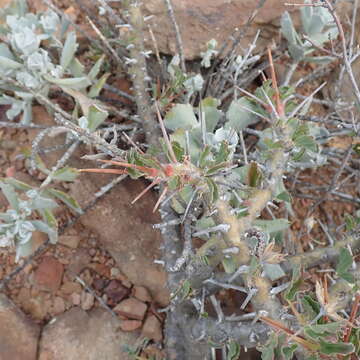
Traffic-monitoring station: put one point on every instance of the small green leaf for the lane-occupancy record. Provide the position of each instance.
(76, 68)
(229, 264)
(254, 175)
(77, 83)
(317, 331)
(174, 183)
(273, 271)
(311, 307)
(223, 154)
(19, 185)
(66, 199)
(66, 174)
(348, 277)
(336, 348)
(40, 203)
(213, 189)
(288, 29)
(345, 261)
(8, 64)
(205, 157)
(268, 349)
(23, 250)
(185, 290)
(288, 351)
(97, 87)
(272, 225)
(306, 142)
(68, 50)
(239, 117)
(233, 350)
(351, 222)
(181, 116)
(96, 117)
(49, 218)
(322, 60)
(11, 195)
(45, 228)
(178, 150)
(93, 73)
(296, 282)
(209, 106)
(215, 169)
(298, 155)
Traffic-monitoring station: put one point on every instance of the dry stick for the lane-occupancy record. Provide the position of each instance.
(179, 44)
(333, 182)
(119, 92)
(354, 311)
(235, 42)
(96, 296)
(345, 57)
(106, 42)
(139, 75)
(21, 126)
(115, 18)
(69, 122)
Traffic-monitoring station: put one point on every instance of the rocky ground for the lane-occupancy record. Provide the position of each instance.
(99, 289)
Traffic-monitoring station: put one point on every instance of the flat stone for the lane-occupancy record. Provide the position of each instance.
(79, 260)
(125, 230)
(58, 306)
(18, 334)
(76, 299)
(71, 241)
(49, 273)
(130, 325)
(202, 20)
(87, 300)
(80, 335)
(152, 328)
(70, 287)
(141, 293)
(131, 308)
(116, 291)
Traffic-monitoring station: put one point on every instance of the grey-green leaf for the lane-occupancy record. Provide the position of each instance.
(287, 28)
(65, 174)
(10, 195)
(241, 114)
(272, 225)
(77, 83)
(273, 271)
(336, 348)
(209, 106)
(45, 228)
(93, 73)
(66, 199)
(68, 50)
(345, 261)
(96, 117)
(8, 64)
(181, 116)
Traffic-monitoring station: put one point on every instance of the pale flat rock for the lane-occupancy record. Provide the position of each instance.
(78, 335)
(125, 230)
(202, 20)
(131, 308)
(18, 334)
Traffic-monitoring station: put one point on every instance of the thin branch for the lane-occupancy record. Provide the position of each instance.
(179, 44)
